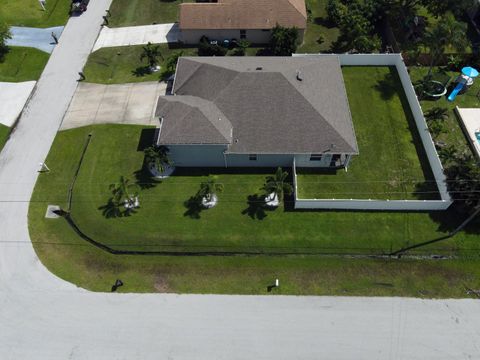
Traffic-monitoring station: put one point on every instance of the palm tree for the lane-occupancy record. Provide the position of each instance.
(437, 113)
(151, 53)
(125, 193)
(277, 184)
(447, 32)
(158, 157)
(208, 190)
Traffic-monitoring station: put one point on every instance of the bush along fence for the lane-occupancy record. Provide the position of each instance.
(427, 142)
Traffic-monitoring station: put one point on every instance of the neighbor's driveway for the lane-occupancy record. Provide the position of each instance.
(137, 35)
(113, 104)
(13, 97)
(34, 37)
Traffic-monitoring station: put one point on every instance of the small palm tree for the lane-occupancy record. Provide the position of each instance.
(277, 185)
(437, 113)
(125, 193)
(209, 189)
(151, 53)
(158, 157)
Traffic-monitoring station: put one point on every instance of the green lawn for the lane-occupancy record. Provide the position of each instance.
(454, 134)
(22, 64)
(392, 163)
(143, 12)
(163, 223)
(122, 64)
(318, 26)
(29, 13)
(4, 131)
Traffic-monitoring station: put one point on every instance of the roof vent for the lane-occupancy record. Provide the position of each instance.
(259, 68)
(299, 75)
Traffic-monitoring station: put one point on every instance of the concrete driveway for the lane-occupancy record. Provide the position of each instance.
(33, 37)
(13, 97)
(113, 104)
(137, 35)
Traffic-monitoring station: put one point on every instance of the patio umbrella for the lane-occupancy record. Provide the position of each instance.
(470, 72)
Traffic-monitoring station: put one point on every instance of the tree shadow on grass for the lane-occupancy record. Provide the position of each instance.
(257, 209)
(144, 179)
(141, 71)
(194, 207)
(111, 210)
(324, 22)
(387, 86)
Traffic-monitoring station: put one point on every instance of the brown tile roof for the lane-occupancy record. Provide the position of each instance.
(243, 14)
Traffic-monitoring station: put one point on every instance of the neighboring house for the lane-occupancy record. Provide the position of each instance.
(240, 19)
(257, 111)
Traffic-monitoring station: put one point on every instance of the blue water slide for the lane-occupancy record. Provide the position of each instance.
(455, 91)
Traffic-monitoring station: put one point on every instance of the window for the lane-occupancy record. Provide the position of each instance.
(316, 157)
(243, 34)
(252, 157)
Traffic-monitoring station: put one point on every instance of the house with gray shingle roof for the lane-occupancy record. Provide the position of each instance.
(252, 20)
(257, 111)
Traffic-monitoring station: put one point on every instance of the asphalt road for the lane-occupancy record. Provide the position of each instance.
(43, 317)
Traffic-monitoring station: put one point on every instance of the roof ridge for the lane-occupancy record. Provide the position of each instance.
(292, 2)
(319, 114)
(192, 107)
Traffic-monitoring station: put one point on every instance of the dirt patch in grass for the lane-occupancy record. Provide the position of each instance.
(161, 284)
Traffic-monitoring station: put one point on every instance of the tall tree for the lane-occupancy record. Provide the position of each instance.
(4, 36)
(284, 41)
(448, 32)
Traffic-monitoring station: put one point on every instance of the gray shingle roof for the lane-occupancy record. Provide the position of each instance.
(268, 108)
(192, 120)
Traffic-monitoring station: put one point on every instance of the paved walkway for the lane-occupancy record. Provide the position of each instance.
(43, 317)
(114, 104)
(13, 97)
(137, 35)
(35, 37)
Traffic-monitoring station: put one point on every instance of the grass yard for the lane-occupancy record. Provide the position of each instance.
(318, 27)
(4, 132)
(118, 65)
(164, 223)
(29, 13)
(237, 224)
(143, 12)
(453, 134)
(22, 64)
(392, 163)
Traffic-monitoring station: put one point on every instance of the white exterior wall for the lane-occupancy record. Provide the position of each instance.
(263, 160)
(303, 160)
(197, 155)
(427, 141)
(254, 36)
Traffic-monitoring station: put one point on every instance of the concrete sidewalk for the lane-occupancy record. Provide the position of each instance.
(114, 104)
(13, 97)
(137, 35)
(35, 37)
